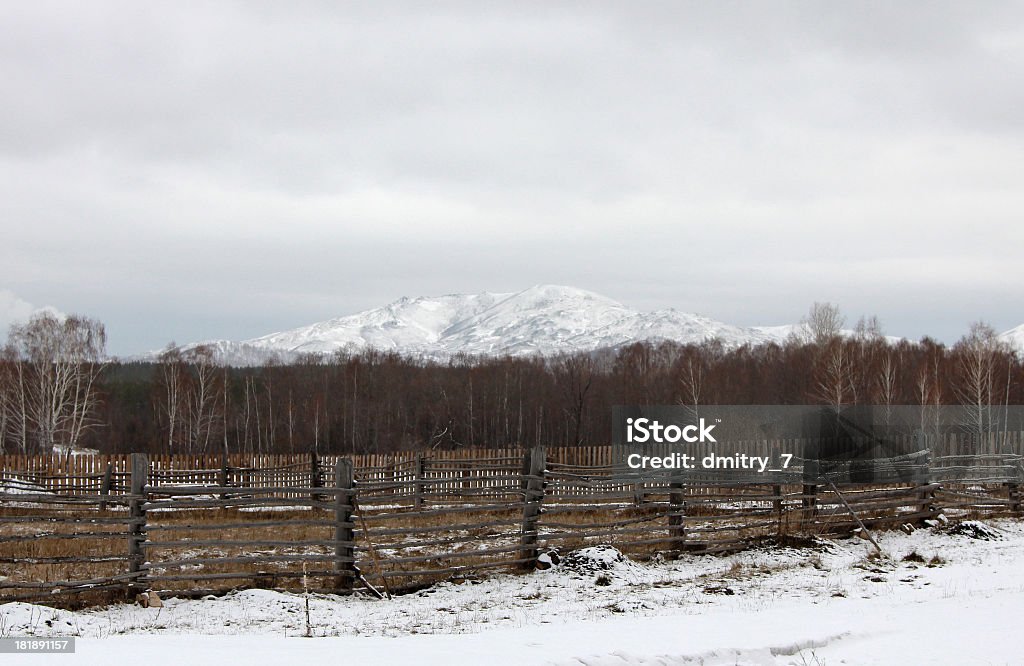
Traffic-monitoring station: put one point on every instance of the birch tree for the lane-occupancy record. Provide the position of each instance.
(204, 398)
(834, 381)
(979, 357)
(172, 396)
(57, 362)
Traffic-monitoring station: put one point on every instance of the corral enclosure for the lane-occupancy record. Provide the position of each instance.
(90, 529)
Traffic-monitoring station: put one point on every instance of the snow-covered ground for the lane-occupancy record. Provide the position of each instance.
(939, 596)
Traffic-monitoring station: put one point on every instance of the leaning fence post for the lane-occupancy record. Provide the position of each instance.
(137, 529)
(108, 476)
(344, 535)
(533, 496)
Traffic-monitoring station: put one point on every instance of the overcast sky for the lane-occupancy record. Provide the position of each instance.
(189, 171)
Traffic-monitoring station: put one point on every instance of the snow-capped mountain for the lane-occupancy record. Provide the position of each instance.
(1015, 338)
(545, 319)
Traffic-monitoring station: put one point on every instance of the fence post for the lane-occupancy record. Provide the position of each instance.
(535, 463)
(524, 472)
(222, 475)
(344, 535)
(137, 529)
(418, 487)
(776, 464)
(108, 476)
(810, 502)
(777, 506)
(811, 451)
(1013, 491)
(677, 516)
(315, 480)
(927, 496)
(638, 493)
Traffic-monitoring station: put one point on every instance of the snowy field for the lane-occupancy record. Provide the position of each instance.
(939, 596)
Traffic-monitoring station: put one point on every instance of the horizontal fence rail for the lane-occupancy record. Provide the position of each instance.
(89, 529)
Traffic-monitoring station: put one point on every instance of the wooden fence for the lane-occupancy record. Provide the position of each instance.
(85, 530)
(998, 458)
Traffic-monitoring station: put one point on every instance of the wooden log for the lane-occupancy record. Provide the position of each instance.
(245, 543)
(57, 519)
(418, 473)
(1013, 492)
(344, 535)
(810, 504)
(137, 511)
(434, 529)
(472, 508)
(248, 559)
(254, 503)
(108, 476)
(315, 480)
(62, 536)
(64, 559)
(533, 495)
(257, 524)
(185, 491)
(222, 473)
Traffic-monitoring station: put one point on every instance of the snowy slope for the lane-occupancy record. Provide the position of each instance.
(545, 319)
(413, 325)
(1015, 338)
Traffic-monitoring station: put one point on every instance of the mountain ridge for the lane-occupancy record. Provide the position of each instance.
(543, 319)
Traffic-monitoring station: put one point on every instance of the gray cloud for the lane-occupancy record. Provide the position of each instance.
(14, 310)
(225, 170)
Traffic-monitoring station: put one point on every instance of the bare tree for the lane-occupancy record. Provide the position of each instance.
(693, 370)
(928, 386)
(58, 361)
(868, 329)
(834, 375)
(172, 403)
(204, 398)
(575, 375)
(876, 367)
(886, 382)
(978, 355)
(8, 401)
(14, 396)
(823, 323)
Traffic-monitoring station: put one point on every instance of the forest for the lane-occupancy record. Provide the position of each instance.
(59, 391)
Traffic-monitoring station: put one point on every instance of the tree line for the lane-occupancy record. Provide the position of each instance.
(58, 390)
